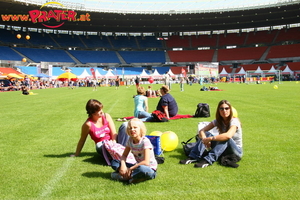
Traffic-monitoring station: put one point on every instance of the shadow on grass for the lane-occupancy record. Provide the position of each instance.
(105, 175)
(94, 158)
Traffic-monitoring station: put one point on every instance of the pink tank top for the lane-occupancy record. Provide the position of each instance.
(102, 133)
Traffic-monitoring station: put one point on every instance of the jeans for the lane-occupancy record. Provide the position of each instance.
(141, 172)
(217, 149)
(143, 115)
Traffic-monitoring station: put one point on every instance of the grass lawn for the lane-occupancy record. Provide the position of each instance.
(39, 132)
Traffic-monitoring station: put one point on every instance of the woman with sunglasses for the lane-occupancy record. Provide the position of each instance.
(210, 147)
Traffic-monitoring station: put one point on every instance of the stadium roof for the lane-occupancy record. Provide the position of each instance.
(155, 16)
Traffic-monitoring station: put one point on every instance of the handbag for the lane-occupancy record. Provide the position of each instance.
(188, 146)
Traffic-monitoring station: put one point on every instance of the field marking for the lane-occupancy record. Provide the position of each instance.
(48, 188)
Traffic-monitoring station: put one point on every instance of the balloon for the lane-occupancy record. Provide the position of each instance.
(27, 37)
(275, 87)
(156, 133)
(19, 36)
(169, 141)
(235, 114)
(24, 60)
(150, 80)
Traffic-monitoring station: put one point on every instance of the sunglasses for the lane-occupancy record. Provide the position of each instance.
(222, 108)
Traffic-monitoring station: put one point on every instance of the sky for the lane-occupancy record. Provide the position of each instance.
(169, 5)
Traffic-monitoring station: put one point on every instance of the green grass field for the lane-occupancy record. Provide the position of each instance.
(39, 132)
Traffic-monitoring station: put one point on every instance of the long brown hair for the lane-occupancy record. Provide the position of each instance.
(223, 124)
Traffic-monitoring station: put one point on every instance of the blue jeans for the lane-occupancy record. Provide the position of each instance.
(143, 115)
(217, 149)
(141, 172)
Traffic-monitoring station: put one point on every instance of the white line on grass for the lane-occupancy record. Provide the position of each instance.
(48, 188)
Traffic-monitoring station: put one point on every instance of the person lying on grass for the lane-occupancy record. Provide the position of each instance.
(140, 146)
(210, 147)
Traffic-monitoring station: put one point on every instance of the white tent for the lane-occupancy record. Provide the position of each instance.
(84, 74)
(223, 72)
(144, 74)
(97, 73)
(287, 70)
(272, 70)
(258, 71)
(241, 72)
(171, 73)
(156, 74)
(109, 74)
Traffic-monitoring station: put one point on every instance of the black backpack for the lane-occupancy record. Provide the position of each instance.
(202, 110)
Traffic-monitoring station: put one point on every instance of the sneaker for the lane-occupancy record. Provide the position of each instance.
(187, 161)
(116, 176)
(133, 181)
(202, 164)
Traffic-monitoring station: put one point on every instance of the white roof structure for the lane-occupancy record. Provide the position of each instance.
(144, 74)
(272, 70)
(84, 74)
(171, 73)
(156, 74)
(242, 71)
(258, 71)
(223, 72)
(287, 70)
(109, 74)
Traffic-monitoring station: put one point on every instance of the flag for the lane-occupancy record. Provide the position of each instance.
(93, 73)
(183, 72)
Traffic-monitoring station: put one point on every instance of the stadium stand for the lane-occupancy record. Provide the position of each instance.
(204, 41)
(191, 55)
(176, 41)
(143, 56)
(232, 39)
(45, 55)
(261, 37)
(237, 54)
(284, 51)
(95, 56)
(6, 53)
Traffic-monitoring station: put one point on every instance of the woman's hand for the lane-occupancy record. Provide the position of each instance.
(206, 141)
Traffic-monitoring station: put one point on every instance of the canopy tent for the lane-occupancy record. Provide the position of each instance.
(14, 75)
(223, 72)
(67, 76)
(287, 70)
(258, 71)
(241, 72)
(144, 74)
(272, 70)
(156, 74)
(171, 73)
(84, 74)
(109, 74)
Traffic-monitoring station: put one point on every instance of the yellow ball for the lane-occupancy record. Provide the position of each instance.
(235, 114)
(275, 87)
(19, 36)
(156, 133)
(169, 141)
(27, 37)
(24, 60)
(297, 82)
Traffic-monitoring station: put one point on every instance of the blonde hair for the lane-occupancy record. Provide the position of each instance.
(142, 126)
(140, 90)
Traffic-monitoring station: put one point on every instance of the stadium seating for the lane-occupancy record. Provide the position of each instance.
(95, 56)
(191, 55)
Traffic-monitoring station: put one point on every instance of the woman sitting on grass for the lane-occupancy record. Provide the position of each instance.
(141, 104)
(140, 146)
(99, 126)
(210, 147)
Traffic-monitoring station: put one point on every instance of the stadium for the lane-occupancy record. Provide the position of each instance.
(40, 131)
(261, 37)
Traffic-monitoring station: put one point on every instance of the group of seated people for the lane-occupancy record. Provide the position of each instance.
(132, 135)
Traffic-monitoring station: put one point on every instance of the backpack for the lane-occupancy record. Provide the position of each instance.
(202, 110)
(159, 116)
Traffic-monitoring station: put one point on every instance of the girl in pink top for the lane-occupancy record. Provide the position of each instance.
(99, 126)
